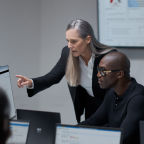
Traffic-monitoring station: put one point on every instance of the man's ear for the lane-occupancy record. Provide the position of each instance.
(120, 74)
(88, 39)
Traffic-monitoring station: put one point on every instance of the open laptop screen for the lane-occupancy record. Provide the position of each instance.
(19, 131)
(86, 135)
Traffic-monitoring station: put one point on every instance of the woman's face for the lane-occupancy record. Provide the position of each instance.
(77, 45)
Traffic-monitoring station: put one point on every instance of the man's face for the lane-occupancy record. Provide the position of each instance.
(110, 79)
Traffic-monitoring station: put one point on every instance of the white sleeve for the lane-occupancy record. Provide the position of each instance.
(32, 86)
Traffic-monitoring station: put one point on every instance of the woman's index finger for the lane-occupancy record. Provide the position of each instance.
(20, 76)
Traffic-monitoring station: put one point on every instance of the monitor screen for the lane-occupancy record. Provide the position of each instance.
(19, 132)
(121, 22)
(81, 135)
(5, 84)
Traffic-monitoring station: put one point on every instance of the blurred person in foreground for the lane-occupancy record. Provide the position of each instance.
(4, 117)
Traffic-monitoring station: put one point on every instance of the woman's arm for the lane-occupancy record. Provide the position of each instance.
(53, 77)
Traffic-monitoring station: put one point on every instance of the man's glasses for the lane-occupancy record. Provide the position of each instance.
(103, 72)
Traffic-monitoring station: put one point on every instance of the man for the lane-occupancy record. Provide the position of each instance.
(4, 118)
(123, 106)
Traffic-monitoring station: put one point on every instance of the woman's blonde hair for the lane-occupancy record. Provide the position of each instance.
(73, 68)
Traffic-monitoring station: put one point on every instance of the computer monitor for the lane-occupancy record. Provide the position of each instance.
(42, 125)
(5, 84)
(19, 130)
(68, 134)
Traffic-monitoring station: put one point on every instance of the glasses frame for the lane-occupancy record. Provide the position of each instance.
(103, 73)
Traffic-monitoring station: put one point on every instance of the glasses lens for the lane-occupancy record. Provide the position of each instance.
(101, 70)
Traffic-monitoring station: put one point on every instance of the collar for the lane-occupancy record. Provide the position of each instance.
(129, 90)
(90, 61)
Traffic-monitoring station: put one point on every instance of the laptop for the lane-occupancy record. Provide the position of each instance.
(19, 132)
(42, 125)
(141, 124)
(68, 134)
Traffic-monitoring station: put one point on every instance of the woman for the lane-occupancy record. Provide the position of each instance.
(78, 63)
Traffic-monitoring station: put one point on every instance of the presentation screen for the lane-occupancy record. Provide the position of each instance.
(121, 23)
(5, 84)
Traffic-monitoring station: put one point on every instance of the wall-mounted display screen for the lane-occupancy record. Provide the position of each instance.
(121, 23)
